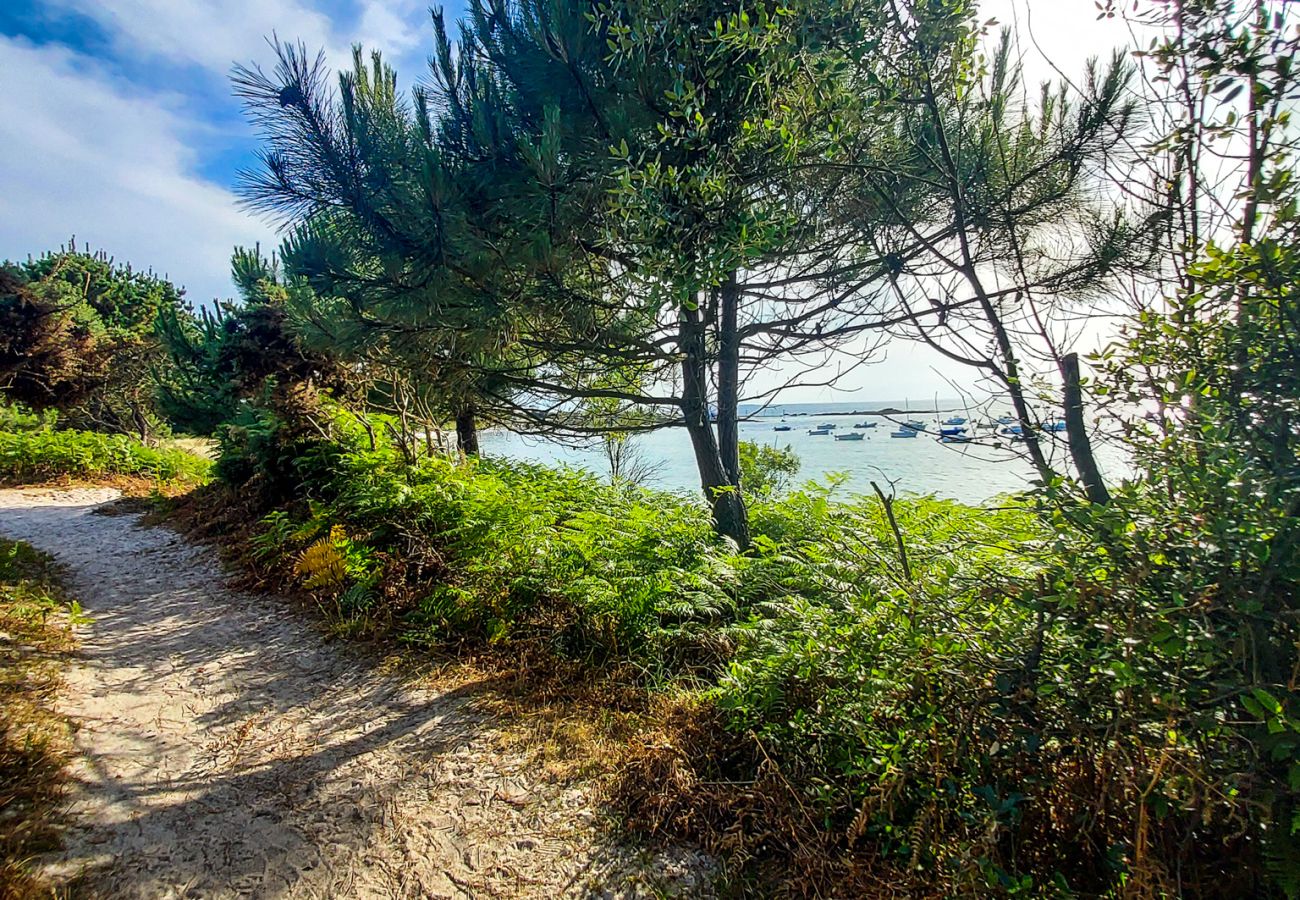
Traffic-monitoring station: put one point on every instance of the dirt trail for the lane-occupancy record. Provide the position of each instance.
(227, 750)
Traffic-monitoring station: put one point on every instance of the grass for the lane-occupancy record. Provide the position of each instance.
(32, 457)
(36, 638)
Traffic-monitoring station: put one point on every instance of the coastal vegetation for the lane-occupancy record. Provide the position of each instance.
(29, 457)
(36, 619)
(602, 218)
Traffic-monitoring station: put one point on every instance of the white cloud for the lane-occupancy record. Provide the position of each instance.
(84, 154)
(396, 28)
(216, 35)
(84, 151)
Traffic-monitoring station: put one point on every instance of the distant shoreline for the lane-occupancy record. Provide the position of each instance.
(883, 411)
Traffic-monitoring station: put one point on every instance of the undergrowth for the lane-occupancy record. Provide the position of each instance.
(876, 696)
(43, 454)
(36, 638)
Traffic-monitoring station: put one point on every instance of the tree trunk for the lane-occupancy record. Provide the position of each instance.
(141, 423)
(1013, 385)
(729, 381)
(730, 518)
(1076, 430)
(467, 430)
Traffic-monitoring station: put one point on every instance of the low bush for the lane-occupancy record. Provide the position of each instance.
(16, 417)
(40, 455)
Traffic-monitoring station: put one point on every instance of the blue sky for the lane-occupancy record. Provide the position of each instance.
(117, 125)
(117, 122)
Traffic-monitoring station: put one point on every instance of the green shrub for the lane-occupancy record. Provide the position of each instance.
(16, 417)
(765, 469)
(496, 550)
(32, 456)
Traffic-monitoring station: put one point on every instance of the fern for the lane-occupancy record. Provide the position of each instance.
(322, 566)
(1282, 857)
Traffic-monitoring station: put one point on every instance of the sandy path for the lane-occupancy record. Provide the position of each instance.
(227, 750)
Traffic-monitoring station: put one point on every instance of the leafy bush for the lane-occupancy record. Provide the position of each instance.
(77, 336)
(31, 456)
(16, 417)
(765, 469)
(493, 550)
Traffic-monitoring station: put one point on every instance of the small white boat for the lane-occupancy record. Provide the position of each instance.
(819, 431)
(955, 420)
(850, 436)
(956, 439)
(866, 425)
(914, 424)
(904, 433)
(828, 425)
(781, 428)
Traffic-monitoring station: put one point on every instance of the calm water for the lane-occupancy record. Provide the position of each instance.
(973, 473)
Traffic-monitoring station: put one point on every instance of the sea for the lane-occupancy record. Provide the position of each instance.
(981, 472)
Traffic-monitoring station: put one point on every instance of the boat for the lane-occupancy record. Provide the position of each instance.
(952, 431)
(1005, 420)
(781, 428)
(850, 436)
(904, 433)
(955, 439)
(954, 420)
(866, 425)
(914, 424)
(1014, 431)
(819, 431)
(827, 426)
(1054, 426)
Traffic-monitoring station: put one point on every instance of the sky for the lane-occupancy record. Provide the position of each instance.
(118, 127)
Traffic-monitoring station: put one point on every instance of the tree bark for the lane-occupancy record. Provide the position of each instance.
(729, 380)
(467, 430)
(1077, 432)
(730, 517)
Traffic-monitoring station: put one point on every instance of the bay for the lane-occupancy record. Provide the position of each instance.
(975, 473)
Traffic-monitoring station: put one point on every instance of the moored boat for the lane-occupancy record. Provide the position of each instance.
(954, 420)
(866, 425)
(904, 433)
(781, 428)
(850, 436)
(819, 431)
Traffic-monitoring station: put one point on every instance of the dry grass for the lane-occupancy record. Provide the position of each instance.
(36, 638)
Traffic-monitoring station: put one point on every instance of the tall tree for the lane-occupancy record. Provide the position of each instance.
(1021, 238)
(603, 198)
